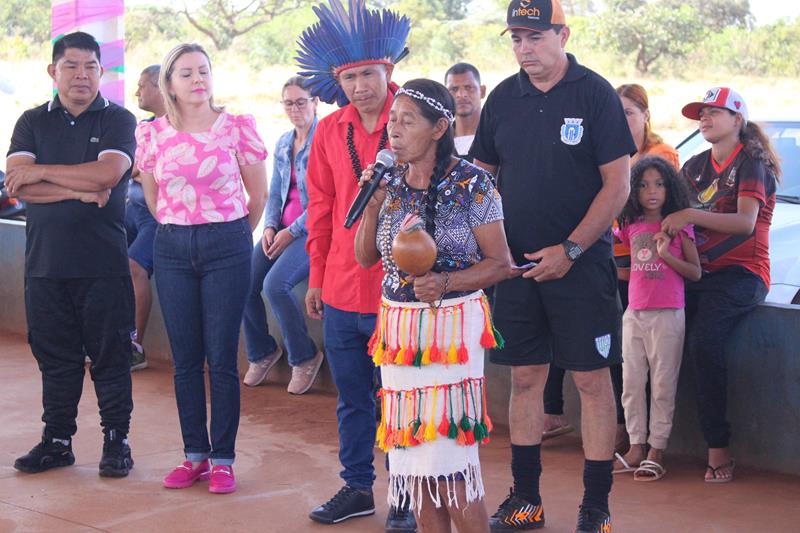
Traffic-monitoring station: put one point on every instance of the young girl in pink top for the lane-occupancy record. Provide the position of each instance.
(196, 163)
(653, 325)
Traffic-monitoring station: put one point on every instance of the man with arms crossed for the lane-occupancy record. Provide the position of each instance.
(555, 134)
(70, 160)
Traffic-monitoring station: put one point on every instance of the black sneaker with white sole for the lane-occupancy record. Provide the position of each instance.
(116, 460)
(347, 503)
(49, 453)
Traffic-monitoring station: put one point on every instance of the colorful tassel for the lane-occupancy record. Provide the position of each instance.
(435, 356)
(463, 355)
(487, 337)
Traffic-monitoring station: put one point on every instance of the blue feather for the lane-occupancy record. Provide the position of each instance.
(341, 37)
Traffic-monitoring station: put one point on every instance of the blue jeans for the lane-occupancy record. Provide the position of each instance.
(277, 279)
(202, 274)
(346, 336)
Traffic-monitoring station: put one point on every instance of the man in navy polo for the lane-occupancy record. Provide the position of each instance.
(70, 160)
(556, 137)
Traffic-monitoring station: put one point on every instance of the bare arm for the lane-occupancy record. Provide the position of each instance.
(495, 266)
(93, 176)
(742, 222)
(150, 189)
(553, 261)
(689, 267)
(254, 178)
(607, 204)
(47, 193)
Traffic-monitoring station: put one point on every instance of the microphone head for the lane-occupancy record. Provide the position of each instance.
(386, 158)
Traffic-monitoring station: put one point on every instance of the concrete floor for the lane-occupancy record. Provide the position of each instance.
(287, 464)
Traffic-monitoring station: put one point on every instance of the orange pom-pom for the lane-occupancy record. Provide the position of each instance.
(461, 437)
(463, 356)
(444, 426)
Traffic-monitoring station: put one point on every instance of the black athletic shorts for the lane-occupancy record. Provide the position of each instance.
(574, 322)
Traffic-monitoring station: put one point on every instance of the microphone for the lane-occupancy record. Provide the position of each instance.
(383, 162)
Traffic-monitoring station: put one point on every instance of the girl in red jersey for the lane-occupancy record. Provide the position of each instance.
(733, 189)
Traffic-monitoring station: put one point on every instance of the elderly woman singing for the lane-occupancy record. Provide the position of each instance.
(437, 225)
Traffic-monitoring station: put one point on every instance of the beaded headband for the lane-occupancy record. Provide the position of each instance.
(433, 102)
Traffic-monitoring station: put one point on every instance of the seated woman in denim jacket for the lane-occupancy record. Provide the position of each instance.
(280, 261)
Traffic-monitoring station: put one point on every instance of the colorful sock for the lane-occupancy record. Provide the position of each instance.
(526, 469)
(597, 480)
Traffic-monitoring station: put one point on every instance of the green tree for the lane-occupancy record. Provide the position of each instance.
(29, 19)
(222, 21)
(650, 31)
(720, 14)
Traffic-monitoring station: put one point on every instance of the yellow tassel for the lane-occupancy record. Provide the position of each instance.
(452, 352)
(452, 355)
(430, 429)
(380, 438)
(407, 437)
(377, 357)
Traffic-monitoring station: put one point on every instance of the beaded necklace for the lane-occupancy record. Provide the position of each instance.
(351, 147)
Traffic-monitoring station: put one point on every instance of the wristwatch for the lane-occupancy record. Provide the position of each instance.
(572, 249)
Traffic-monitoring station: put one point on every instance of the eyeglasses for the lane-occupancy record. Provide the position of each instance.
(301, 103)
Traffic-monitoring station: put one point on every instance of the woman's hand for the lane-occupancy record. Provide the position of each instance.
(376, 201)
(430, 287)
(279, 243)
(266, 240)
(662, 241)
(674, 223)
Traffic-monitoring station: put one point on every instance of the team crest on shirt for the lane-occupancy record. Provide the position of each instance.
(603, 345)
(572, 131)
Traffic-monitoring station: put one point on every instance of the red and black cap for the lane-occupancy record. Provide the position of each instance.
(723, 97)
(534, 15)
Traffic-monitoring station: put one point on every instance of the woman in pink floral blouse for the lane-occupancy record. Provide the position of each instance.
(196, 164)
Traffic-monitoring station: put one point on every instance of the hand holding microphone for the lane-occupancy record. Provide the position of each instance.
(370, 183)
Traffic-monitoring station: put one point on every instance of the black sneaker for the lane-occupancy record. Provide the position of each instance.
(116, 460)
(516, 514)
(49, 453)
(593, 521)
(347, 503)
(400, 520)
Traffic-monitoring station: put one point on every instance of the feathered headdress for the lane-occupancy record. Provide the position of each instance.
(342, 40)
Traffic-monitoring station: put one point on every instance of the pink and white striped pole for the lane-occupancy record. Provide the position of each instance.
(104, 19)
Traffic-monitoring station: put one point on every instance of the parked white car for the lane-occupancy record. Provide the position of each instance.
(784, 234)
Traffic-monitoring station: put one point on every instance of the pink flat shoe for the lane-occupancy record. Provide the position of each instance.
(222, 480)
(185, 476)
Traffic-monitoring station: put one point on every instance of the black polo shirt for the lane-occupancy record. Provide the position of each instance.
(71, 239)
(548, 147)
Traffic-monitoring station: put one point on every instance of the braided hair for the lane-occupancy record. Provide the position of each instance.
(445, 146)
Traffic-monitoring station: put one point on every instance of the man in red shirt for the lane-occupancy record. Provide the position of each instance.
(341, 293)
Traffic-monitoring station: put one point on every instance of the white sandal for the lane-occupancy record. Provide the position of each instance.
(626, 467)
(649, 471)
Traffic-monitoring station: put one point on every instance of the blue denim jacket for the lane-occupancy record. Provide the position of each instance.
(282, 180)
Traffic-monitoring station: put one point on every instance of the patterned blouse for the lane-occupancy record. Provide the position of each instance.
(466, 198)
(198, 174)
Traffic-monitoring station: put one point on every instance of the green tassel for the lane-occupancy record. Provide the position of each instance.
(465, 424)
(415, 427)
(480, 431)
(499, 340)
(452, 431)
(418, 358)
